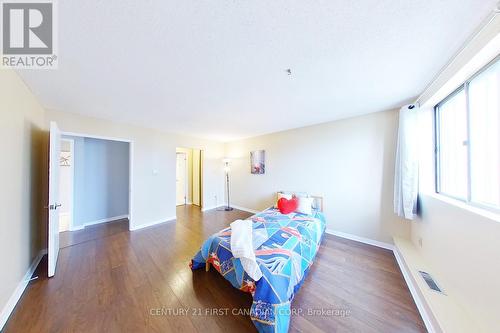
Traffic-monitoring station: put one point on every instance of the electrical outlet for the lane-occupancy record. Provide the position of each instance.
(420, 241)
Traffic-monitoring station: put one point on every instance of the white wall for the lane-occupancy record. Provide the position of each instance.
(106, 179)
(463, 249)
(79, 197)
(23, 168)
(153, 164)
(101, 187)
(349, 162)
(460, 243)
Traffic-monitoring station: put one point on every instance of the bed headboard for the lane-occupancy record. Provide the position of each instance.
(317, 203)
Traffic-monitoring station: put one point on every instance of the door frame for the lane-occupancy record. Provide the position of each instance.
(199, 154)
(130, 168)
(202, 176)
(186, 175)
(202, 172)
(72, 182)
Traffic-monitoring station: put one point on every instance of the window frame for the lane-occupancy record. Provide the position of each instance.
(437, 124)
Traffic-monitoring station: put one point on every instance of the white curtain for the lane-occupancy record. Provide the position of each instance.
(406, 169)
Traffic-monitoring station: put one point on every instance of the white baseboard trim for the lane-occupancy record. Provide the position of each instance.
(360, 239)
(204, 209)
(150, 224)
(253, 211)
(106, 220)
(425, 312)
(18, 292)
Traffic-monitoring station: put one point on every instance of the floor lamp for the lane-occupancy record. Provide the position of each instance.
(226, 170)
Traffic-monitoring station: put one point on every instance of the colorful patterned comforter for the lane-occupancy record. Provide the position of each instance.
(285, 246)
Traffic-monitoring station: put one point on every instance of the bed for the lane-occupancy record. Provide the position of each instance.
(285, 247)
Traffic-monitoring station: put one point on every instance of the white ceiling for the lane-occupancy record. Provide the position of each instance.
(217, 69)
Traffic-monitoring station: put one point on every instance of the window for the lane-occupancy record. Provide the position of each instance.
(468, 140)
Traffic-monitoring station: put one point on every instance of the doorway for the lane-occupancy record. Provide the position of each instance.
(93, 188)
(189, 176)
(117, 175)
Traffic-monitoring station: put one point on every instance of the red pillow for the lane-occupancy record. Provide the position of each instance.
(288, 206)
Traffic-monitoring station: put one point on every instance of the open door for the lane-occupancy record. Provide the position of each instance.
(54, 156)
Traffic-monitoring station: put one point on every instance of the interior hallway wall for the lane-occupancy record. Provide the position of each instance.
(101, 187)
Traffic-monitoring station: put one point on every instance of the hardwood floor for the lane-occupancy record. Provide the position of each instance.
(70, 238)
(140, 282)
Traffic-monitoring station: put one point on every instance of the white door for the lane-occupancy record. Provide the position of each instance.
(54, 160)
(181, 179)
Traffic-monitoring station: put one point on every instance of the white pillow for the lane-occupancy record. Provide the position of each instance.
(283, 195)
(305, 205)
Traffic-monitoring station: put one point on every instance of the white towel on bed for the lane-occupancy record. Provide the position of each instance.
(242, 247)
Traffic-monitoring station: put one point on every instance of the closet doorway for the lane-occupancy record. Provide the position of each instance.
(94, 188)
(189, 176)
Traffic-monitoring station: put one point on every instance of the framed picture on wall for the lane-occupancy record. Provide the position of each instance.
(258, 162)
